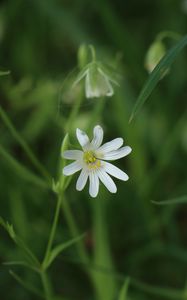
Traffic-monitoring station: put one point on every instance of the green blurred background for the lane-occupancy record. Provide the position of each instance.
(39, 40)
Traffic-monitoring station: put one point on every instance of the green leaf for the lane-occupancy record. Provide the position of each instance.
(162, 293)
(20, 263)
(20, 243)
(26, 285)
(8, 227)
(157, 74)
(124, 290)
(2, 73)
(21, 170)
(24, 145)
(178, 200)
(61, 247)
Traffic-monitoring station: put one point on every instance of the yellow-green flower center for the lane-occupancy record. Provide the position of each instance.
(91, 160)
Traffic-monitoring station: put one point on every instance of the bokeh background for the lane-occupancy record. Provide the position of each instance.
(131, 236)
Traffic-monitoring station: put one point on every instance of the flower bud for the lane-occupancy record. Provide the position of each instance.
(82, 56)
(154, 54)
(98, 83)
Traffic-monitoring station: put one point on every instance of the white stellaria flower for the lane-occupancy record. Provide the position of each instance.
(97, 82)
(92, 161)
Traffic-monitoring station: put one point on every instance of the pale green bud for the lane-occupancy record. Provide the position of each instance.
(154, 54)
(82, 56)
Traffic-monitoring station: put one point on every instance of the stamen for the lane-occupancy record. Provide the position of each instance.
(91, 161)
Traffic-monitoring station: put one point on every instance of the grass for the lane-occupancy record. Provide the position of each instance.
(129, 245)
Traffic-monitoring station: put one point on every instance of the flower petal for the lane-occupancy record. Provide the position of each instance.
(97, 83)
(110, 91)
(90, 93)
(107, 181)
(72, 168)
(106, 84)
(72, 154)
(114, 171)
(81, 182)
(113, 155)
(94, 184)
(82, 138)
(108, 77)
(110, 146)
(98, 137)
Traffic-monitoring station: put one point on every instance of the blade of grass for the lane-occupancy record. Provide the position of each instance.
(24, 145)
(20, 263)
(178, 200)
(156, 75)
(25, 173)
(124, 289)
(161, 292)
(59, 248)
(2, 73)
(26, 285)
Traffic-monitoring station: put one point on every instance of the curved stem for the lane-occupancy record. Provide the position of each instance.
(168, 34)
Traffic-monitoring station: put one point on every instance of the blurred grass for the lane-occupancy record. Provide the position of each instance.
(39, 42)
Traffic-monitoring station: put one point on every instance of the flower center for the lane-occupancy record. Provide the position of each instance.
(91, 161)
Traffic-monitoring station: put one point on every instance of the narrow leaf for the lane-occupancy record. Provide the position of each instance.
(20, 243)
(179, 200)
(21, 170)
(61, 247)
(26, 285)
(2, 73)
(20, 263)
(124, 290)
(157, 74)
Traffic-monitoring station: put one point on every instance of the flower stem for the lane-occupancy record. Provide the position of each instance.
(93, 53)
(74, 230)
(168, 34)
(74, 113)
(24, 145)
(53, 229)
(46, 285)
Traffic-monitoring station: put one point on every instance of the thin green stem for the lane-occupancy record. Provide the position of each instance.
(93, 53)
(168, 34)
(46, 285)
(74, 113)
(97, 111)
(24, 145)
(74, 230)
(53, 229)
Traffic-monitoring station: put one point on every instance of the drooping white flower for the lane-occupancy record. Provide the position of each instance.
(98, 83)
(92, 161)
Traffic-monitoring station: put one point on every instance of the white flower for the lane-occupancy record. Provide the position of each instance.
(97, 82)
(92, 161)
